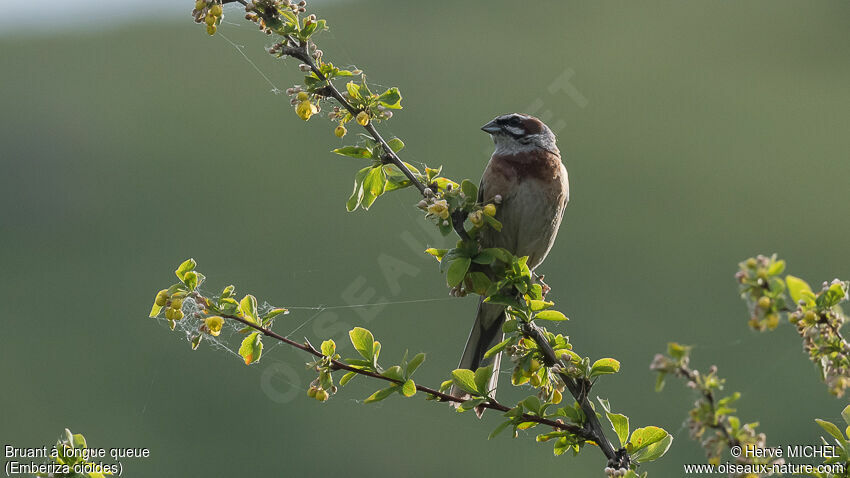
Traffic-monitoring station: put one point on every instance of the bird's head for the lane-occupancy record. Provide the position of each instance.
(517, 132)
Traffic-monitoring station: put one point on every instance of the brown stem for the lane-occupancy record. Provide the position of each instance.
(338, 365)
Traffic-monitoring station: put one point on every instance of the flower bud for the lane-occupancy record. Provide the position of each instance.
(764, 303)
(340, 131)
(216, 9)
(211, 29)
(490, 210)
(362, 118)
(177, 304)
(476, 218)
(497, 199)
(302, 96)
(322, 395)
(200, 4)
(311, 392)
(210, 19)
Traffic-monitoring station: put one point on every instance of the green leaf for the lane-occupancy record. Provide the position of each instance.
(457, 271)
(328, 348)
(480, 282)
(620, 424)
(831, 429)
(192, 279)
(363, 342)
(678, 351)
(248, 307)
(373, 186)
(409, 388)
(251, 348)
(391, 99)
(353, 91)
(354, 152)
(798, 288)
(395, 144)
(604, 366)
(155, 310)
(777, 267)
(532, 403)
(501, 254)
(437, 253)
(497, 348)
(845, 414)
(469, 189)
(482, 379)
(381, 394)
(499, 429)
(394, 373)
(551, 315)
(274, 313)
(347, 378)
(414, 363)
(465, 379)
(186, 266)
(653, 451)
(357, 194)
(537, 305)
(643, 437)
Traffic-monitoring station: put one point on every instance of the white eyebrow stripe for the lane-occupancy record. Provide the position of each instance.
(515, 130)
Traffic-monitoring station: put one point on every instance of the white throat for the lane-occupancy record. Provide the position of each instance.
(509, 145)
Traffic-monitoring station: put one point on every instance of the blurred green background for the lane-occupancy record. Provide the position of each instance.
(697, 134)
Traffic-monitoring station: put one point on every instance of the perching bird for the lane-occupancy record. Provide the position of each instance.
(526, 171)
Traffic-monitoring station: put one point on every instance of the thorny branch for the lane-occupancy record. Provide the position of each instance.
(338, 365)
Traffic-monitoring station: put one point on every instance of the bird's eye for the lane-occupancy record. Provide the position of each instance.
(514, 121)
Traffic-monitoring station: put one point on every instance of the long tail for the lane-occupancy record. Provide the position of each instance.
(486, 333)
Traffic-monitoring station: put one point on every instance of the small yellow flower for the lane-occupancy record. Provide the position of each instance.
(362, 118)
(177, 304)
(440, 209)
(476, 218)
(305, 110)
(340, 131)
(490, 210)
(764, 303)
(216, 9)
(211, 29)
(210, 19)
(200, 4)
(214, 325)
(302, 96)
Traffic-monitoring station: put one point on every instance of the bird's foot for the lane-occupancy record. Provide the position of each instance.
(545, 287)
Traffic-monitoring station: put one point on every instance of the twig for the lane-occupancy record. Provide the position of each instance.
(691, 375)
(338, 365)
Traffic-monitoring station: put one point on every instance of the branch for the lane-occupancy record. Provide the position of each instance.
(338, 365)
(721, 424)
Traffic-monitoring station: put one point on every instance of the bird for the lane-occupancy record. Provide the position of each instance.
(528, 180)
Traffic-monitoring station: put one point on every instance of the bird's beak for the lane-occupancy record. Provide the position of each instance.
(491, 127)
